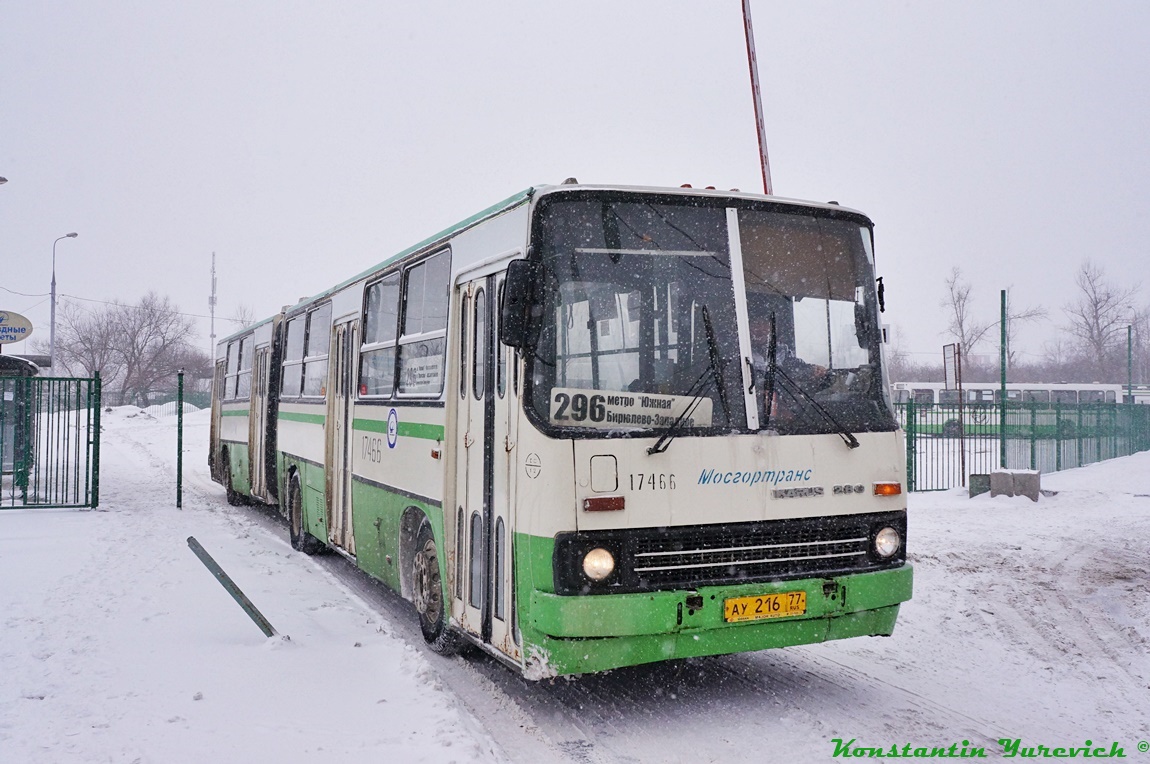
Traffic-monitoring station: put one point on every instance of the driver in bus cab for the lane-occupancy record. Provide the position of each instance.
(791, 371)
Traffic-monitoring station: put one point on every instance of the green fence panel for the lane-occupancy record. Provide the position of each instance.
(49, 442)
(944, 448)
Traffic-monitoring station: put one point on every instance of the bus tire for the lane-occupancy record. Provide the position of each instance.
(235, 498)
(427, 594)
(301, 540)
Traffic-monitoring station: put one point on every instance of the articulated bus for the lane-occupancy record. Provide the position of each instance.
(592, 427)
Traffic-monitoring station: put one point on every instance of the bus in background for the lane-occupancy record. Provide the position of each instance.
(592, 427)
(1018, 392)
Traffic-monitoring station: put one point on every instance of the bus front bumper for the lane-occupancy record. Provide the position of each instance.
(573, 634)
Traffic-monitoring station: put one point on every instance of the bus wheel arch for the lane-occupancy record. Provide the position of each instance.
(426, 586)
(301, 540)
(235, 498)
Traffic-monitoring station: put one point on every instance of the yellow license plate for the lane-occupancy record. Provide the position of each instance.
(764, 606)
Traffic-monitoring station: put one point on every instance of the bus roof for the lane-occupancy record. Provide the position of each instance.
(537, 192)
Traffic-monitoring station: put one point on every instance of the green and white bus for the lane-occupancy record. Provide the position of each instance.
(592, 427)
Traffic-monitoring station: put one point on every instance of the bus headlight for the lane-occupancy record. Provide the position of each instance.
(887, 542)
(599, 563)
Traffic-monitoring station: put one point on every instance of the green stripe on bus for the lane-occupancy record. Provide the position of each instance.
(234, 412)
(292, 416)
(405, 429)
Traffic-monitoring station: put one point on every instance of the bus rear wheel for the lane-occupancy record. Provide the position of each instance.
(235, 498)
(427, 594)
(301, 540)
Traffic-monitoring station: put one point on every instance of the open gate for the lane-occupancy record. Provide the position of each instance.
(49, 442)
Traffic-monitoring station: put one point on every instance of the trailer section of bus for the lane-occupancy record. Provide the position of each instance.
(244, 403)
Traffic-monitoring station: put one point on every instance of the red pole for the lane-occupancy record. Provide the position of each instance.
(760, 124)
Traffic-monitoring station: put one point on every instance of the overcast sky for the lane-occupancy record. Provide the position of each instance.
(303, 142)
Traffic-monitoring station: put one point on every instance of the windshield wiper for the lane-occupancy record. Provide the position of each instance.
(769, 372)
(717, 364)
(793, 387)
(713, 374)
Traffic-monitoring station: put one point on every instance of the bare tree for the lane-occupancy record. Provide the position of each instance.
(243, 317)
(85, 343)
(1140, 350)
(1100, 315)
(961, 325)
(1015, 317)
(968, 332)
(137, 349)
(153, 335)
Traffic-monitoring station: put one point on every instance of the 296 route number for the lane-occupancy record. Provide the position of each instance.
(579, 407)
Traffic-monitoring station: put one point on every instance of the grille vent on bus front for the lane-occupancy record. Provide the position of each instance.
(688, 557)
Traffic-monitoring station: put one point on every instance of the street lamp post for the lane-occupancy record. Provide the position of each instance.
(1130, 363)
(52, 328)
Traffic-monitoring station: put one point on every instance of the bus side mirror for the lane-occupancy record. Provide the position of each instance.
(516, 327)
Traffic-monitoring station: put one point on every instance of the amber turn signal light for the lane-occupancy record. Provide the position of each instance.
(888, 488)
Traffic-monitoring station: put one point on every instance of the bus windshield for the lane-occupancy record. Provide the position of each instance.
(640, 321)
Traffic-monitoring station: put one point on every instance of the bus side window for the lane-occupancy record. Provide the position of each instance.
(377, 355)
(475, 593)
(500, 349)
(292, 381)
(233, 370)
(464, 307)
(479, 347)
(244, 378)
(423, 339)
(459, 554)
(500, 533)
(315, 354)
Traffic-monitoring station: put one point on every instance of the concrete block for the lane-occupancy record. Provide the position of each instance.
(1001, 484)
(978, 483)
(1026, 483)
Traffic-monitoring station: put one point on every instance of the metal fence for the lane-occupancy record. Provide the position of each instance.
(49, 442)
(943, 448)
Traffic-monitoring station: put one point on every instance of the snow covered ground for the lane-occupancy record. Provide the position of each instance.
(1029, 620)
(117, 644)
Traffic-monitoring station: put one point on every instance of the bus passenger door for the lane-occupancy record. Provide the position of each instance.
(338, 432)
(257, 424)
(215, 454)
(483, 568)
(501, 442)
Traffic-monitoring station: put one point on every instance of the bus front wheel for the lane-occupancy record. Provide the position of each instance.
(427, 594)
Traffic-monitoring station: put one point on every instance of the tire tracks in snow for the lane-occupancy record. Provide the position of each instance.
(654, 712)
